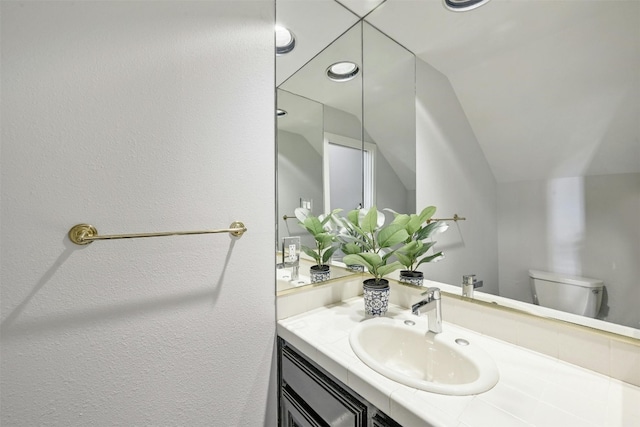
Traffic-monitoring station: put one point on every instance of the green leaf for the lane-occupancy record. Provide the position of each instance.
(430, 258)
(401, 219)
(404, 259)
(324, 239)
(427, 213)
(372, 259)
(411, 248)
(357, 259)
(430, 229)
(370, 221)
(328, 253)
(428, 245)
(423, 249)
(389, 268)
(331, 217)
(359, 230)
(392, 235)
(312, 253)
(313, 225)
(352, 216)
(351, 248)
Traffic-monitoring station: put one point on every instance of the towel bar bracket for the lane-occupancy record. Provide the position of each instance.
(82, 234)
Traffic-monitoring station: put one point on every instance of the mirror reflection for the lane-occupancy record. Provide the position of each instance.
(389, 119)
(316, 105)
(527, 126)
(341, 101)
(314, 25)
(524, 121)
(300, 146)
(346, 144)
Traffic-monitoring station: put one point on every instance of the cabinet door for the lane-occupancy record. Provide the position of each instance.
(296, 413)
(315, 397)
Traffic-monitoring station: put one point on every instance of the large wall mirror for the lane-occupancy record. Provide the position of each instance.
(523, 118)
(311, 107)
(343, 144)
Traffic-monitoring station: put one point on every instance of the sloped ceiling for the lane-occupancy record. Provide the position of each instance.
(551, 88)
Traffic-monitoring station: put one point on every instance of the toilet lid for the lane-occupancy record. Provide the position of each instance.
(585, 282)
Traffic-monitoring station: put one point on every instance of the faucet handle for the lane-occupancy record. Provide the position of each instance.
(432, 293)
(468, 279)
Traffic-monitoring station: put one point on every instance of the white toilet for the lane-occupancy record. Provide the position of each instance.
(579, 295)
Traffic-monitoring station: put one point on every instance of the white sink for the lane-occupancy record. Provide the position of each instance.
(444, 363)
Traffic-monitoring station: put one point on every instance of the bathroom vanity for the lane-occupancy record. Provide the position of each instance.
(532, 390)
(310, 396)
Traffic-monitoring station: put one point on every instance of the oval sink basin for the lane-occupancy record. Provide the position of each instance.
(440, 363)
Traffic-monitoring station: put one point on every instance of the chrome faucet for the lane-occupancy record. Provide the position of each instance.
(431, 305)
(469, 283)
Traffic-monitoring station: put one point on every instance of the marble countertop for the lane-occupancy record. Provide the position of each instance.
(533, 390)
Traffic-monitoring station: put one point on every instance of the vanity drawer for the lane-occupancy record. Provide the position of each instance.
(325, 400)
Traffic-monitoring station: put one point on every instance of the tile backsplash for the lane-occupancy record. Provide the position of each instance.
(609, 354)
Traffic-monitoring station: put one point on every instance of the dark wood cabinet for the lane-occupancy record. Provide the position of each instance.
(311, 397)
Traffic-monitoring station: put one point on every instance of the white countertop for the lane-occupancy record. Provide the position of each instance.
(533, 390)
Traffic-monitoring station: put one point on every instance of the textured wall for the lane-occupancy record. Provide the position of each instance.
(137, 116)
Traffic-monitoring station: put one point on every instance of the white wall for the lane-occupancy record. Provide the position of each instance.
(453, 175)
(299, 175)
(137, 117)
(390, 191)
(584, 226)
(340, 122)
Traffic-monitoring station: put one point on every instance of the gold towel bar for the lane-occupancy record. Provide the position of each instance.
(83, 234)
(286, 217)
(455, 218)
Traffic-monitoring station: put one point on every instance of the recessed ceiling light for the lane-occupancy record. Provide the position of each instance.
(280, 112)
(463, 5)
(285, 40)
(342, 71)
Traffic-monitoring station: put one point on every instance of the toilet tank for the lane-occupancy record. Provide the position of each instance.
(573, 294)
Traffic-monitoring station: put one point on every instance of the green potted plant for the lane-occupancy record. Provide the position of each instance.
(350, 244)
(376, 241)
(414, 253)
(323, 232)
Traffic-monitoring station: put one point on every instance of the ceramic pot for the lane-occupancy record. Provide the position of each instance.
(355, 267)
(376, 297)
(411, 277)
(319, 273)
